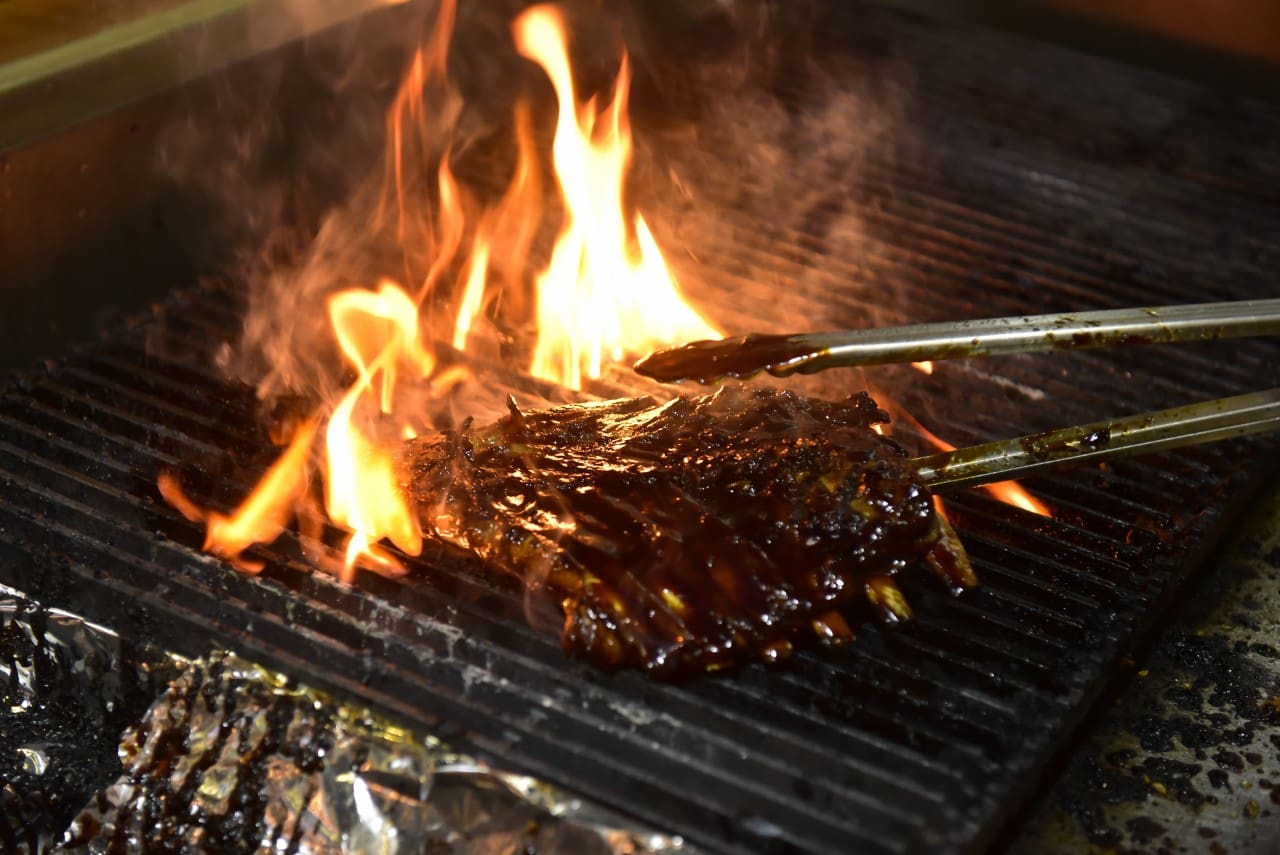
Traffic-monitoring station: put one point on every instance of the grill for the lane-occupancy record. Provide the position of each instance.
(1016, 179)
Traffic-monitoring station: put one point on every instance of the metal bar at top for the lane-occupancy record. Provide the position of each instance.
(94, 71)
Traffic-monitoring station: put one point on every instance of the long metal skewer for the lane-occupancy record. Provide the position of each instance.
(1223, 418)
(781, 355)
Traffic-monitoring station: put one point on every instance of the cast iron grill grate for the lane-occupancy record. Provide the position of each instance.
(1102, 187)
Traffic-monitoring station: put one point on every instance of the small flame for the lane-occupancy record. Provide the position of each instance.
(1013, 494)
(1009, 492)
(449, 228)
(263, 515)
(606, 292)
(511, 226)
(941, 508)
(925, 367)
(472, 292)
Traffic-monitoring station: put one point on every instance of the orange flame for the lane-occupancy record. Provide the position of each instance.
(449, 229)
(263, 515)
(925, 367)
(378, 333)
(606, 292)
(414, 125)
(511, 226)
(1012, 493)
(941, 508)
(1009, 492)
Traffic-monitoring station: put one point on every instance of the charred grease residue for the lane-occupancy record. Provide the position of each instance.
(1056, 443)
(67, 688)
(233, 757)
(1156, 333)
(1096, 439)
(708, 362)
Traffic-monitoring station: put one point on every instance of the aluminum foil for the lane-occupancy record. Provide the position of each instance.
(67, 688)
(234, 756)
(42, 646)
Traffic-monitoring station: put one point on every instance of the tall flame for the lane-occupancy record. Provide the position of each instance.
(605, 294)
(409, 122)
(378, 333)
(606, 291)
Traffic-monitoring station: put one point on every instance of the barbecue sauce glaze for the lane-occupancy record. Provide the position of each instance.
(692, 535)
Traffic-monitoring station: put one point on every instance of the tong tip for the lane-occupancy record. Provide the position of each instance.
(709, 362)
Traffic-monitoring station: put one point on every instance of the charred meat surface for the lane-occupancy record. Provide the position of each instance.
(691, 535)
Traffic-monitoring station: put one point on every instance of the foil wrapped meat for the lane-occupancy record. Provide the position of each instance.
(695, 534)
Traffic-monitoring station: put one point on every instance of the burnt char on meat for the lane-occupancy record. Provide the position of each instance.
(690, 535)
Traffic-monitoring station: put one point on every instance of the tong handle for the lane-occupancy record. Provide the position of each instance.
(1209, 421)
(1039, 333)
(781, 355)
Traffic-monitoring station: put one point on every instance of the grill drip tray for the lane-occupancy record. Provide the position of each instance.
(1093, 186)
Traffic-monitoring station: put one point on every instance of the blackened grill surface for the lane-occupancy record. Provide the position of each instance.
(1024, 179)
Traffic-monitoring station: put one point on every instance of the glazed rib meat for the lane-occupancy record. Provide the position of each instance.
(691, 535)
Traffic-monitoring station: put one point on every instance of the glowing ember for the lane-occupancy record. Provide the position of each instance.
(606, 291)
(925, 367)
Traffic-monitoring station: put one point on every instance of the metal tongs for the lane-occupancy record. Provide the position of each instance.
(1223, 418)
